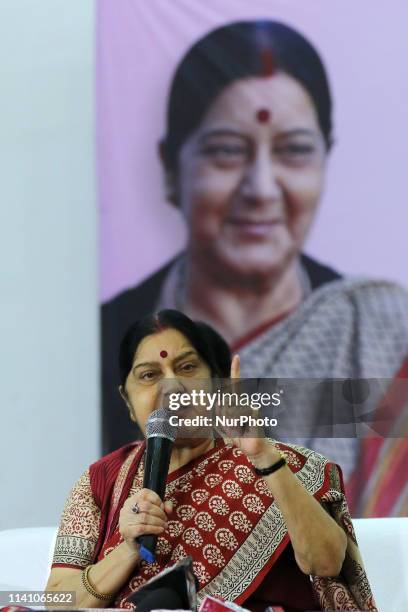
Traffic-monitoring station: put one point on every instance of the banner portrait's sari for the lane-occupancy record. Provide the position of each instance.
(225, 517)
(344, 328)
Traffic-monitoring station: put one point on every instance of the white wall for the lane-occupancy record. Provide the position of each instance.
(49, 422)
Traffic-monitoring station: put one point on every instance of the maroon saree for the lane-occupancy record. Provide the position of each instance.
(225, 517)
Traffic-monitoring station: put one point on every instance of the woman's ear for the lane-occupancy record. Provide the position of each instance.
(170, 189)
(123, 395)
(125, 398)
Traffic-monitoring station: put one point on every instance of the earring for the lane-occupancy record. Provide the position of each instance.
(132, 415)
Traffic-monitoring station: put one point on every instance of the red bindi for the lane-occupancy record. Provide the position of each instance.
(163, 354)
(263, 115)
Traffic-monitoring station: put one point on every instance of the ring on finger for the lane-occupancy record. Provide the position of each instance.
(135, 508)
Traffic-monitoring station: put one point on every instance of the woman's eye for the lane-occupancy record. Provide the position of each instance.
(188, 367)
(225, 153)
(148, 376)
(295, 151)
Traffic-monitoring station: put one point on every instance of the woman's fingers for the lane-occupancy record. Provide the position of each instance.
(146, 508)
(168, 507)
(247, 430)
(235, 367)
(151, 517)
(228, 410)
(146, 495)
(135, 531)
(145, 518)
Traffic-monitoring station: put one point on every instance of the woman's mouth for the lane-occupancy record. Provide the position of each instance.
(255, 228)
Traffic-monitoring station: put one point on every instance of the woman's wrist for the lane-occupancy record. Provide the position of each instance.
(266, 457)
(128, 553)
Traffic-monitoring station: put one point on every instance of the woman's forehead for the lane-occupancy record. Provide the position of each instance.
(165, 343)
(283, 97)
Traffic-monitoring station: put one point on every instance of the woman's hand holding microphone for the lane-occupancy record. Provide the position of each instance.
(143, 513)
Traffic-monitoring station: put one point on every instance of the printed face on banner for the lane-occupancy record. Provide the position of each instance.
(249, 189)
(244, 153)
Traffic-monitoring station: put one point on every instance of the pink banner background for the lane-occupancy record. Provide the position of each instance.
(361, 226)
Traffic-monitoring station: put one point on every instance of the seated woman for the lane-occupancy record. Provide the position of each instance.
(284, 538)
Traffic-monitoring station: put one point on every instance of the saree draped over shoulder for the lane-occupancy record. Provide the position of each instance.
(347, 329)
(223, 515)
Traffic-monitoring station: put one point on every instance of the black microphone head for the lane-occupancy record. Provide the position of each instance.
(158, 425)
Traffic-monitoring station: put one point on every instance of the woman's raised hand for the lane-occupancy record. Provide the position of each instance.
(252, 442)
(151, 517)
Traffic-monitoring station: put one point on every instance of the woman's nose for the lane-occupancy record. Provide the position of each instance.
(261, 184)
(170, 384)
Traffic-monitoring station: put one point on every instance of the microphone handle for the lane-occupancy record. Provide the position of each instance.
(155, 475)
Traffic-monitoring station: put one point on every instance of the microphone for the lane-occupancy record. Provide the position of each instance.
(160, 437)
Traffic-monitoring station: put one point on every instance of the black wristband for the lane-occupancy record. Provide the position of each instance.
(271, 469)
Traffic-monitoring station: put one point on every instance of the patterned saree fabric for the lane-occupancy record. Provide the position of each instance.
(223, 515)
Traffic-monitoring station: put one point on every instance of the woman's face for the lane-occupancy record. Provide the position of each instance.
(165, 362)
(251, 175)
